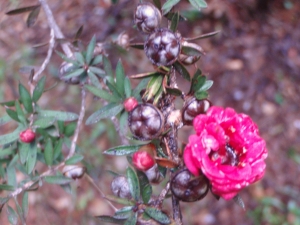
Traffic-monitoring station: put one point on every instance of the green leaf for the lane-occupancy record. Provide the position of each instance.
(57, 148)
(65, 58)
(110, 219)
(19, 210)
(57, 179)
(136, 92)
(146, 188)
(173, 91)
(107, 111)
(137, 45)
(74, 73)
(90, 50)
(133, 183)
(102, 94)
(157, 3)
(44, 122)
(39, 89)
(25, 204)
(11, 176)
(20, 112)
(131, 220)
(198, 4)
(79, 32)
(158, 215)
(11, 137)
(12, 215)
(58, 115)
(123, 122)
(74, 159)
(8, 103)
(207, 35)
(6, 152)
(98, 71)
(12, 114)
(5, 119)
(114, 90)
(197, 81)
(7, 187)
(123, 213)
(107, 66)
(122, 201)
(182, 71)
(120, 76)
(98, 59)
(48, 152)
(207, 85)
(25, 98)
(22, 10)
(174, 22)
(191, 51)
(201, 95)
(32, 155)
(70, 129)
(94, 80)
(23, 151)
(32, 17)
(79, 57)
(153, 86)
(122, 150)
(168, 6)
(127, 87)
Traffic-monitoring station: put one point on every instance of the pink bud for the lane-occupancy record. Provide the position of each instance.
(130, 104)
(143, 160)
(27, 136)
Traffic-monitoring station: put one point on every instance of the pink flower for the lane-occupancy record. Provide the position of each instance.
(227, 149)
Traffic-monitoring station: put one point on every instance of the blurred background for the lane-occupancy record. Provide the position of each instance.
(254, 62)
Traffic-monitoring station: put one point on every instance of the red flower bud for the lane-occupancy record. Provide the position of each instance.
(143, 160)
(130, 104)
(27, 136)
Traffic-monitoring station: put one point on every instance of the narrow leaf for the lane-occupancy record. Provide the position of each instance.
(20, 112)
(146, 188)
(13, 114)
(65, 58)
(98, 59)
(70, 129)
(11, 137)
(107, 111)
(12, 215)
(174, 91)
(120, 76)
(75, 73)
(58, 115)
(25, 204)
(190, 51)
(101, 93)
(79, 32)
(30, 164)
(94, 80)
(211, 34)
(169, 5)
(48, 152)
(124, 123)
(8, 103)
(122, 150)
(133, 183)
(122, 201)
(5, 119)
(137, 45)
(57, 148)
(74, 159)
(32, 17)
(25, 98)
(207, 85)
(182, 71)
(22, 10)
(198, 83)
(157, 3)
(98, 71)
(90, 50)
(198, 4)
(57, 180)
(131, 220)
(107, 66)
(123, 213)
(174, 22)
(7, 187)
(110, 219)
(79, 57)
(158, 215)
(127, 87)
(201, 95)
(39, 89)
(114, 90)
(44, 122)
(23, 151)
(139, 88)
(6, 152)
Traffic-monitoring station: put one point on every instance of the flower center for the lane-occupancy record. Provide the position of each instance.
(229, 157)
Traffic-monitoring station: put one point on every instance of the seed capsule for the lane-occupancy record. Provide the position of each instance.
(145, 122)
(74, 171)
(188, 188)
(27, 136)
(162, 47)
(192, 108)
(120, 187)
(147, 17)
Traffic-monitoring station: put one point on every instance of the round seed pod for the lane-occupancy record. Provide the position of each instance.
(120, 187)
(153, 175)
(145, 122)
(192, 108)
(162, 47)
(66, 68)
(27, 136)
(74, 171)
(147, 17)
(188, 188)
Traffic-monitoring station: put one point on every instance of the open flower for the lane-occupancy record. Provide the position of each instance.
(227, 148)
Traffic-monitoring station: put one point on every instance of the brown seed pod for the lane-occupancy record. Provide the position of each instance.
(188, 188)
(74, 171)
(66, 68)
(145, 122)
(120, 187)
(193, 107)
(153, 175)
(147, 17)
(162, 47)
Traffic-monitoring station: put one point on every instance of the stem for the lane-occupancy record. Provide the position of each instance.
(79, 122)
(52, 23)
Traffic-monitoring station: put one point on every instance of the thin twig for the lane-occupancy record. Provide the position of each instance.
(52, 23)
(79, 122)
(47, 59)
(100, 191)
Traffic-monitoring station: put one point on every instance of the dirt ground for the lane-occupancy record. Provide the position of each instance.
(254, 62)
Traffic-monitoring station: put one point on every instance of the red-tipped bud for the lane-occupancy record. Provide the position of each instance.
(130, 104)
(143, 160)
(27, 136)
